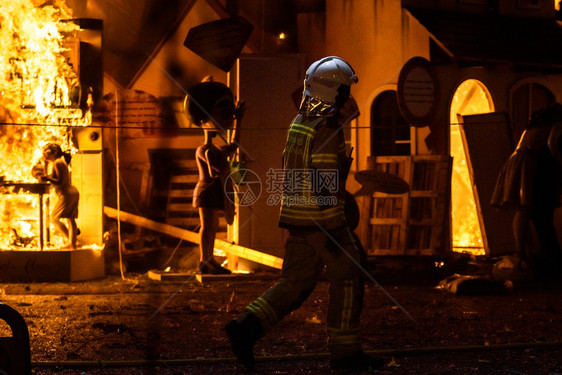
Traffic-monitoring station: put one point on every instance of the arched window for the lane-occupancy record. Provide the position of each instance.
(390, 133)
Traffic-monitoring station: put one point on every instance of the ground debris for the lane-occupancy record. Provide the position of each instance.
(475, 285)
(113, 328)
(115, 324)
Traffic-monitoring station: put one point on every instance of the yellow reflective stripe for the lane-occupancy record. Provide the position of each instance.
(347, 305)
(308, 218)
(300, 132)
(309, 133)
(302, 129)
(306, 214)
(256, 311)
(325, 155)
(266, 308)
(306, 153)
(311, 208)
(343, 340)
(261, 316)
(310, 214)
(264, 312)
(342, 337)
(328, 158)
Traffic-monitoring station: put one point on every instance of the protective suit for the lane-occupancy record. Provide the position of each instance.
(315, 168)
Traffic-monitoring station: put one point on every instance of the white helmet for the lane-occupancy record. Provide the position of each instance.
(325, 76)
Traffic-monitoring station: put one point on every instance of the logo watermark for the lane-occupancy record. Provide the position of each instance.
(290, 187)
(247, 187)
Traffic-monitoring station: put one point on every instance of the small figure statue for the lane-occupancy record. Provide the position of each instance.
(211, 105)
(66, 207)
(530, 183)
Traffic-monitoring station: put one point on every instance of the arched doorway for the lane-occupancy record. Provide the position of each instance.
(390, 132)
(471, 97)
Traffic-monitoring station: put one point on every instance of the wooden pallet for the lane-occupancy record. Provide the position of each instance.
(411, 223)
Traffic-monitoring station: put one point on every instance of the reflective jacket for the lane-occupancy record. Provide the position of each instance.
(315, 167)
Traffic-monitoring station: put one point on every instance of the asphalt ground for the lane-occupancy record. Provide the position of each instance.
(138, 325)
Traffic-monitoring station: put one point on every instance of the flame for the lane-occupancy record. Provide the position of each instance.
(20, 213)
(36, 99)
(470, 98)
(36, 84)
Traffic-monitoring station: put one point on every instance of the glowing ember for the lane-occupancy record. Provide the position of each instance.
(37, 104)
(20, 213)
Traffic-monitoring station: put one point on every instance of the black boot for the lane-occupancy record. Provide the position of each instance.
(213, 268)
(357, 362)
(243, 334)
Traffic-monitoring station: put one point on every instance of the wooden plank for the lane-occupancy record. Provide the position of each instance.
(386, 221)
(385, 239)
(160, 192)
(185, 207)
(386, 234)
(185, 178)
(424, 193)
(186, 163)
(420, 252)
(195, 276)
(485, 156)
(233, 249)
(429, 204)
(183, 222)
(179, 193)
(388, 207)
(384, 252)
(410, 223)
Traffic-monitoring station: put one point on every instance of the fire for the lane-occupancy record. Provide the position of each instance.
(38, 89)
(470, 98)
(36, 84)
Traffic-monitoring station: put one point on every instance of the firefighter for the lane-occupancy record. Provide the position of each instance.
(320, 243)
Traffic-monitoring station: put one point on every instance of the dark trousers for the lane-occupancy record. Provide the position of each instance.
(309, 255)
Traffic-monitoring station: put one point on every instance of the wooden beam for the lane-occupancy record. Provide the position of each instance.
(231, 248)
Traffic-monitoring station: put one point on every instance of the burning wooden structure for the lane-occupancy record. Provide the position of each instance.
(472, 89)
(51, 74)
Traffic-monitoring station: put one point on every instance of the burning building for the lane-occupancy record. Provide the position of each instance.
(491, 78)
(50, 76)
(484, 79)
